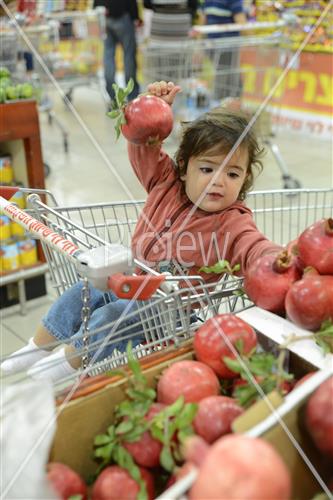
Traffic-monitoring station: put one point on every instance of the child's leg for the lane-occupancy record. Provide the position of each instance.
(56, 367)
(61, 322)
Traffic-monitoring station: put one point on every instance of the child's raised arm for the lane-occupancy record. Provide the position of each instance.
(165, 90)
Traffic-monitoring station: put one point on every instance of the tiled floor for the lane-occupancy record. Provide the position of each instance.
(97, 169)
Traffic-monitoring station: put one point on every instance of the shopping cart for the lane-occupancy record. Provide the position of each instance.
(92, 242)
(8, 46)
(67, 50)
(70, 46)
(242, 71)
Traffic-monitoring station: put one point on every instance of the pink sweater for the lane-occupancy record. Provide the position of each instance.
(161, 239)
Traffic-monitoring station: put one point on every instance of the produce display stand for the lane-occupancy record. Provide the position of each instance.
(19, 121)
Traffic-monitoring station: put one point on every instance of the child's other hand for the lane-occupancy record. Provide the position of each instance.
(166, 90)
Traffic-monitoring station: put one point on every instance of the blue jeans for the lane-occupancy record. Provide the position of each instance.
(64, 322)
(120, 30)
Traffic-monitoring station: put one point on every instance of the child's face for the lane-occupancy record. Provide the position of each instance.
(225, 189)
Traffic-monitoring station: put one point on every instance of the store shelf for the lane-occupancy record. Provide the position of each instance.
(19, 125)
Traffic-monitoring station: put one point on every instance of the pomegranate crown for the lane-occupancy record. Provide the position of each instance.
(119, 103)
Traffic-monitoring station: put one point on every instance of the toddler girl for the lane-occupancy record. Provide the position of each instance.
(194, 216)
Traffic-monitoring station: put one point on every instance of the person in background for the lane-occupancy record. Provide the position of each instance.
(173, 19)
(224, 12)
(122, 17)
(228, 78)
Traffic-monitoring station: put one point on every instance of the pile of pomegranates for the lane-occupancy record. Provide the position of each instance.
(298, 282)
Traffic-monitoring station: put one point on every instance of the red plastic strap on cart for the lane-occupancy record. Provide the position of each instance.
(140, 287)
(8, 191)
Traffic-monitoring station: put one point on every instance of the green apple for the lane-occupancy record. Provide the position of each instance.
(11, 92)
(4, 72)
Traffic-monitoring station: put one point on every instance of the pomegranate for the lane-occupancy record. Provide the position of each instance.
(195, 450)
(192, 379)
(269, 278)
(146, 450)
(215, 416)
(319, 417)
(303, 379)
(309, 301)
(115, 482)
(65, 481)
(212, 341)
(239, 467)
(315, 246)
(149, 120)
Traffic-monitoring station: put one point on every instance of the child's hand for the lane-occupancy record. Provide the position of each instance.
(165, 90)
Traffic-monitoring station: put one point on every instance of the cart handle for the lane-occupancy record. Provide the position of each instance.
(140, 287)
(39, 229)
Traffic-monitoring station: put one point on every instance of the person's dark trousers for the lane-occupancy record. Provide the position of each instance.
(120, 30)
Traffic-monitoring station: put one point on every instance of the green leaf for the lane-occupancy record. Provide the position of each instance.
(239, 344)
(222, 266)
(186, 416)
(262, 363)
(142, 495)
(124, 426)
(325, 346)
(233, 364)
(183, 434)
(133, 363)
(113, 114)
(245, 394)
(166, 459)
(137, 432)
(144, 395)
(104, 452)
(122, 457)
(111, 431)
(157, 433)
(75, 497)
(130, 87)
(101, 439)
(124, 409)
(174, 409)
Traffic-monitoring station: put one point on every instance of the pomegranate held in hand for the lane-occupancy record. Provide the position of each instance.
(149, 120)
(191, 379)
(309, 301)
(215, 416)
(269, 278)
(315, 246)
(319, 417)
(239, 467)
(115, 483)
(65, 481)
(212, 339)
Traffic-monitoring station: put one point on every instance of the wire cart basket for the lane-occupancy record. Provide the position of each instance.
(69, 44)
(8, 46)
(91, 242)
(236, 71)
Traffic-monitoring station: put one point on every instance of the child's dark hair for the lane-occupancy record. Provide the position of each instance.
(217, 131)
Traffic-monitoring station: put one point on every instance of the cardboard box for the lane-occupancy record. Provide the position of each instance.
(80, 420)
